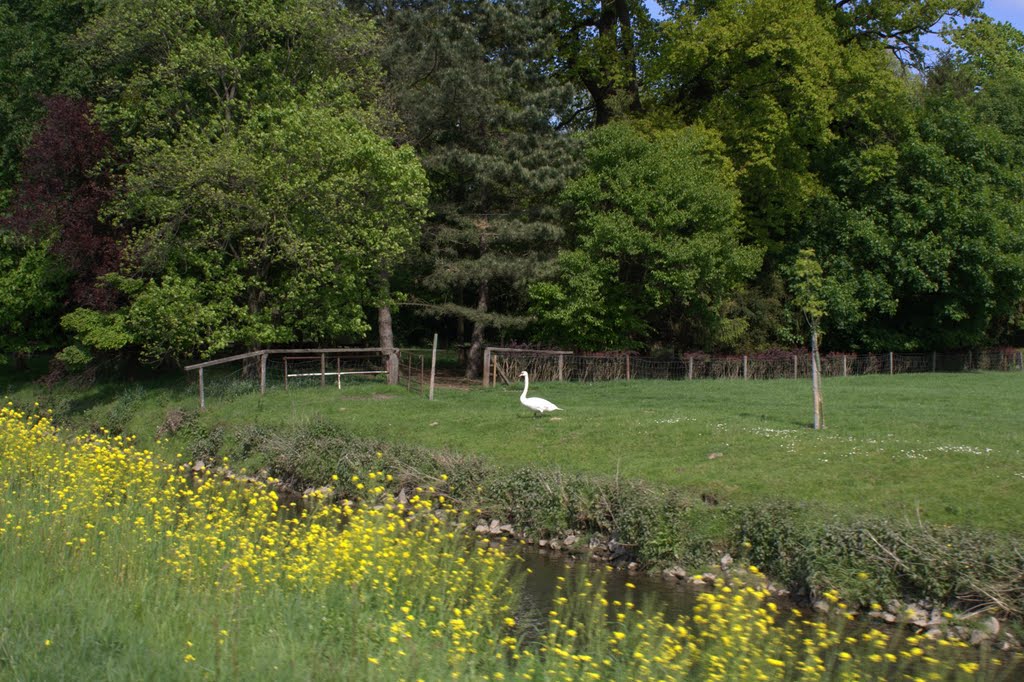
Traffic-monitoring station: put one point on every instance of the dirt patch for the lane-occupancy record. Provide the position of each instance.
(375, 396)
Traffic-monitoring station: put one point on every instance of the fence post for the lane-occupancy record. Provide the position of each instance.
(970, 359)
(890, 363)
(323, 369)
(933, 361)
(487, 366)
(844, 364)
(689, 373)
(433, 365)
(794, 367)
(744, 366)
(202, 393)
(627, 365)
(286, 372)
(263, 373)
(337, 365)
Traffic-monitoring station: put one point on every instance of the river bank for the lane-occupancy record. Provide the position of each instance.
(941, 581)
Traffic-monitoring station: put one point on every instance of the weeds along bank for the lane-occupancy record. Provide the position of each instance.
(118, 565)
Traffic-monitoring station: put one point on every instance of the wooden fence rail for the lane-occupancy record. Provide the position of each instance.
(388, 354)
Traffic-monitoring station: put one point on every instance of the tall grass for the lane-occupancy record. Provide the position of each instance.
(117, 565)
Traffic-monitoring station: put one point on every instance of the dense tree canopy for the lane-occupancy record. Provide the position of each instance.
(187, 177)
(654, 250)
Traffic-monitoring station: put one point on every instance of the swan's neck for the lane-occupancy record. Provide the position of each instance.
(526, 386)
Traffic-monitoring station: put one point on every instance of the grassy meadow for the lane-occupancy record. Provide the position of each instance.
(943, 448)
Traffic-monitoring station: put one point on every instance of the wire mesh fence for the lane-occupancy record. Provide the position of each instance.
(274, 370)
(504, 365)
(414, 371)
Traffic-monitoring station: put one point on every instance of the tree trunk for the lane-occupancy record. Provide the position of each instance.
(819, 417)
(612, 95)
(386, 331)
(475, 357)
(251, 366)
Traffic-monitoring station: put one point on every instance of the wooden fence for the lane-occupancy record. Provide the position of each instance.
(306, 364)
(504, 365)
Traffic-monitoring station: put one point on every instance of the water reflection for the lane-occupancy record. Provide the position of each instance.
(538, 571)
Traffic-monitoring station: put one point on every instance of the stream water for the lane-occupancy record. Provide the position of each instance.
(539, 571)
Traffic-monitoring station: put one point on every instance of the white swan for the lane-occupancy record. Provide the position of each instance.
(538, 405)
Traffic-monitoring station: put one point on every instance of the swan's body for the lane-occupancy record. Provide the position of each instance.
(538, 405)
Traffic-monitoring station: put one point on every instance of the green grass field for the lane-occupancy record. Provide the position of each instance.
(945, 448)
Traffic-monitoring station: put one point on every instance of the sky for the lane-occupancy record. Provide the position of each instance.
(1000, 10)
(1006, 10)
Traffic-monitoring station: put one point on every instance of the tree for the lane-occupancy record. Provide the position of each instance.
(898, 25)
(31, 293)
(157, 68)
(269, 233)
(654, 245)
(602, 47)
(263, 203)
(65, 180)
(919, 229)
(34, 51)
(807, 279)
(763, 74)
(472, 84)
(55, 247)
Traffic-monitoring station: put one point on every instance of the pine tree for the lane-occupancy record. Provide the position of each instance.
(472, 83)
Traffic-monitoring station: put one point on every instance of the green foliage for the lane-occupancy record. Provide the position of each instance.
(262, 204)
(902, 23)
(655, 250)
(807, 285)
(603, 46)
(919, 239)
(763, 74)
(103, 331)
(176, 63)
(249, 180)
(269, 233)
(31, 285)
(779, 535)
